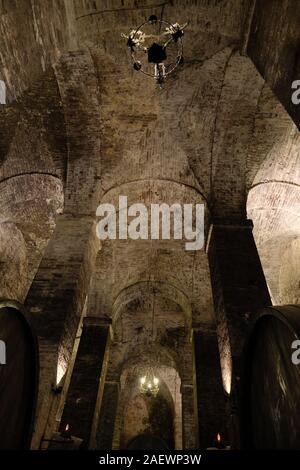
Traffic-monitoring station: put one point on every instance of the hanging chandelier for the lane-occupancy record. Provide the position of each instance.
(156, 48)
(149, 384)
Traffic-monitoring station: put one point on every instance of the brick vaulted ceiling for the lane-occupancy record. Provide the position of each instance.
(214, 132)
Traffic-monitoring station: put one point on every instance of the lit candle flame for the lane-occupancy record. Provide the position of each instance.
(218, 438)
(67, 427)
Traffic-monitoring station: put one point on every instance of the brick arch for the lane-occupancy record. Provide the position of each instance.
(30, 203)
(164, 289)
(33, 131)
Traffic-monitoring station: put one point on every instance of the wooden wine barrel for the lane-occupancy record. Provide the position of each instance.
(271, 382)
(18, 378)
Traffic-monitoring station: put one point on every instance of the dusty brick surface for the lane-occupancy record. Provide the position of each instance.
(81, 127)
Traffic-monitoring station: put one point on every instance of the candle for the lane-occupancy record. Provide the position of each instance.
(219, 443)
(66, 433)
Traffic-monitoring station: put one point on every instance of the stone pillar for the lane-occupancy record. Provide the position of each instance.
(108, 412)
(57, 294)
(188, 395)
(86, 386)
(210, 393)
(239, 290)
(55, 302)
(48, 356)
(189, 428)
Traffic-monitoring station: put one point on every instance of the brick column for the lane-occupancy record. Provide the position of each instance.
(189, 431)
(57, 294)
(106, 424)
(239, 289)
(86, 386)
(188, 394)
(210, 393)
(55, 301)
